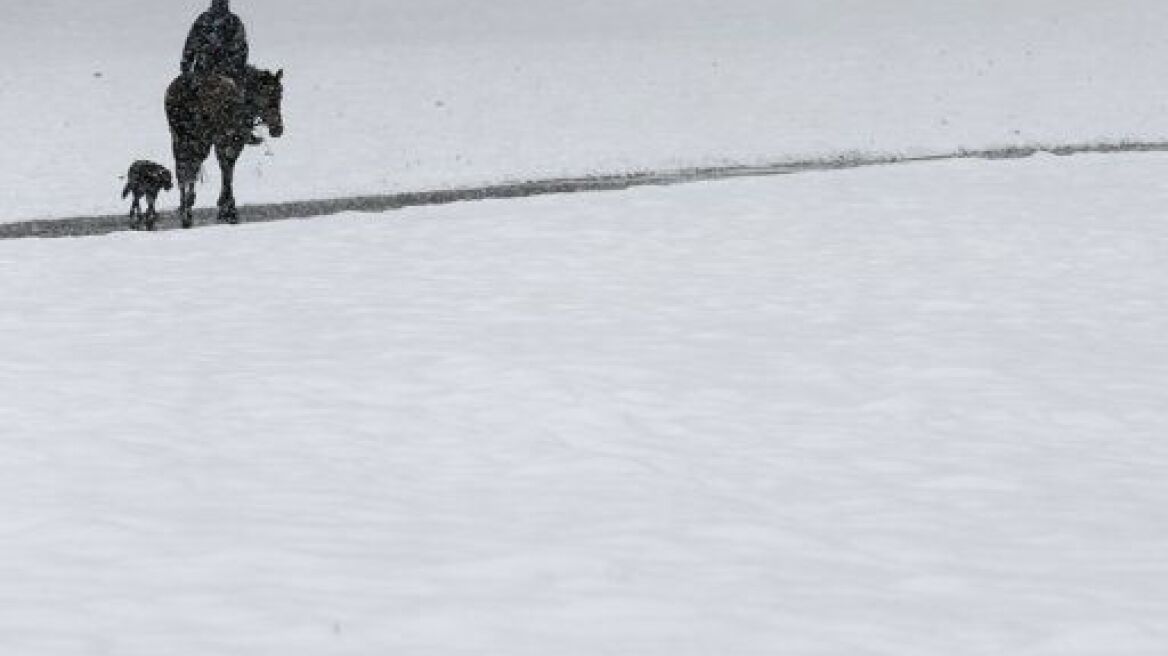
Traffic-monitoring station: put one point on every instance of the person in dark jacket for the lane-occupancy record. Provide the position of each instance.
(217, 45)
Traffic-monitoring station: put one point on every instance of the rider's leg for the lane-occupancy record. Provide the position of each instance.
(240, 80)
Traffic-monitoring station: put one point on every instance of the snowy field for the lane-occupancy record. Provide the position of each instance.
(914, 410)
(390, 95)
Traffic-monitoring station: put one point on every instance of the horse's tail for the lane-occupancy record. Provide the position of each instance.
(126, 191)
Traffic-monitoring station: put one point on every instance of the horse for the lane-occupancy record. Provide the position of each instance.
(212, 111)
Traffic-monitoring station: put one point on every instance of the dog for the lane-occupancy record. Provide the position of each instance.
(146, 179)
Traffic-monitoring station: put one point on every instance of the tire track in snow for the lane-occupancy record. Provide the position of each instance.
(88, 226)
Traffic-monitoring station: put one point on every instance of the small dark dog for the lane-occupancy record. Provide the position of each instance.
(146, 179)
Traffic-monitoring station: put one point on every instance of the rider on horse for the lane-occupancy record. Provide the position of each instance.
(217, 45)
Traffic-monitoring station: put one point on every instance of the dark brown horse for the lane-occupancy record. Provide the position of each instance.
(212, 111)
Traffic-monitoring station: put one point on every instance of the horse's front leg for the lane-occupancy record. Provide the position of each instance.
(227, 155)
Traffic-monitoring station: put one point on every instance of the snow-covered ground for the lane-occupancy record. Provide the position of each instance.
(410, 94)
(909, 410)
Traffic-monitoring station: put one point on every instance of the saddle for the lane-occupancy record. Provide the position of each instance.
(219, 85)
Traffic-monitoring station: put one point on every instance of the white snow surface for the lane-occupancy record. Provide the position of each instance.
(415, 94)
(910, 410)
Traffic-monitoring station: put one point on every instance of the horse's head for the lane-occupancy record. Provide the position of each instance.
(267, 97)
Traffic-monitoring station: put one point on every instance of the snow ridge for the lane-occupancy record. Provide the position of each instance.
(88, 226)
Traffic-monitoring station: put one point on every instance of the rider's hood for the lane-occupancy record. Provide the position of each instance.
(220, 6)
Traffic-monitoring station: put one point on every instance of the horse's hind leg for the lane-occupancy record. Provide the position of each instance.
(227, 156)
(188, 155)
(187, 204)
(186, 191)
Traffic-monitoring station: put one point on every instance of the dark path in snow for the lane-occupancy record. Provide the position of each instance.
(84, 226)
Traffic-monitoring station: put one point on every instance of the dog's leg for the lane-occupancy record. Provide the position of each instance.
(151, 214)
(136, 212)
